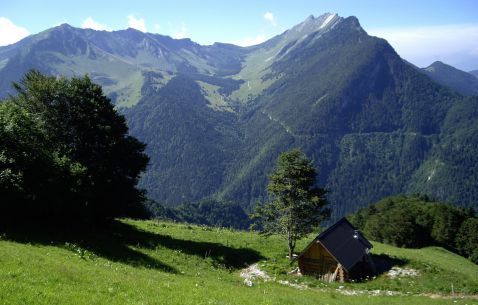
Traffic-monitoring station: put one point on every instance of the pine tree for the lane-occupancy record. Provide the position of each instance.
(297, 206)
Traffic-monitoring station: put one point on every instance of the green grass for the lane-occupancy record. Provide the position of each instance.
(127, 78)
(216, 100)
(255, 66)
(148, 262)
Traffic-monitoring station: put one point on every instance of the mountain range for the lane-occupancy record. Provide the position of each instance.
(474, 73)
(216, 117)
(462, 82)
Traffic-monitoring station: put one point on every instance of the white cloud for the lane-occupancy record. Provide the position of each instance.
(181, 33)
(156, 28)
(11, 33)
(270, 17)
(249, 41)
(89, 23)
(136, 23)
(453, 44)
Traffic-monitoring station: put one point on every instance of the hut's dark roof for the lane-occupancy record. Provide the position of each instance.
(344, 242)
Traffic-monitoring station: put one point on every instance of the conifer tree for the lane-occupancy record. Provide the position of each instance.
(296, 205)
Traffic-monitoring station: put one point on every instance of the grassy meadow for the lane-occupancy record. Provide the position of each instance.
(156, 262)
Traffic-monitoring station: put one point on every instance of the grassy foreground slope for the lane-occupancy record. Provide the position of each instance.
(147, 262)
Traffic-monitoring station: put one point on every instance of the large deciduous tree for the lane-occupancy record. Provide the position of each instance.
(96, 164)
(27, 165)
(296, 205)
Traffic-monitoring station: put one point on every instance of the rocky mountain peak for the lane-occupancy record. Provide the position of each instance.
(436, 65)
(312, 24)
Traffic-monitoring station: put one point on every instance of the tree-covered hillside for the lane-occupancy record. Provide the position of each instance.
(461, 81)
(190, 144)
(417, 222)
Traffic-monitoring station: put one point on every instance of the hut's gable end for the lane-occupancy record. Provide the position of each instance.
(316, 260)
(317, 251)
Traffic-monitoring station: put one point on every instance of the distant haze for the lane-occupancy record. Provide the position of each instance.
(456, 45)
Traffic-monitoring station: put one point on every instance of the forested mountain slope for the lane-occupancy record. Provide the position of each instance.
(216, 117)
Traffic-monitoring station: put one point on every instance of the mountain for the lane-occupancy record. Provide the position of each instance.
(216, 117)
(116, 60)
(449, 76)
(474, 73)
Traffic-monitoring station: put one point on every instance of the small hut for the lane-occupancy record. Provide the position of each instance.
(340, 253)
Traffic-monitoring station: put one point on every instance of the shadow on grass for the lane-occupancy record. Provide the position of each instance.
(383, 263)
(228, 257)
(117, 241)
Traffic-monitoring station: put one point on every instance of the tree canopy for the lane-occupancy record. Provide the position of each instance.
(297, 206)
(416, 221)
(65, 152)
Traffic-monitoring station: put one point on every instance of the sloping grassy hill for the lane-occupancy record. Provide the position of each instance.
(148, 262)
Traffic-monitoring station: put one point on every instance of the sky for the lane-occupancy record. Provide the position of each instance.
(421, 31)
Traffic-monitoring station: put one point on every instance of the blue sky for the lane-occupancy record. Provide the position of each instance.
(421, 31)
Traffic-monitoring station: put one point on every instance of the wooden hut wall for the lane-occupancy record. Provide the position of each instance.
(318, 261)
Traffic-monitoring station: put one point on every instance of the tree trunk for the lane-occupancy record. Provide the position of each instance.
(291, 245)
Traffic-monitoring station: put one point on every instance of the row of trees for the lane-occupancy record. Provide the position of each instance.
(65, 153)
(414, 221)
(209, 212)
